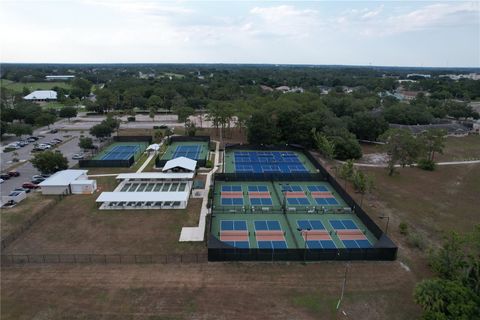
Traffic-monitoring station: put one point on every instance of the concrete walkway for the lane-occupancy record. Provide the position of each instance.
(398, 166)
(198, 233)
(150, 157)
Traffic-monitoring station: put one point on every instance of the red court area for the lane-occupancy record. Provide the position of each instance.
(353, 234)
(232, 194)
(270, 235)
(292, 194)
(234, 235)
(257, 194)
(316, 235)
(322, 194)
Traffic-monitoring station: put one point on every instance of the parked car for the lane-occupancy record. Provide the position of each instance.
(46, 175)
(33, 138)
(40, 136)
(4, 176)
(13, 146)
(37, 181)
(9, 204)
(78, 156)
(37, 176)
(44, 146)
(29, 185)
(57, 139)
(22, 189)
(14, 173)
(53, 131)
(1, 180)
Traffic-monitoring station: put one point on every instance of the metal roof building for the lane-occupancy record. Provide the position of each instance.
(66, 182)
(41, 95)
(180, 164)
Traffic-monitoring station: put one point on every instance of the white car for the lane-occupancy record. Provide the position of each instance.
(1, 180)
(78, 156)
(13, 146)
(44, 146)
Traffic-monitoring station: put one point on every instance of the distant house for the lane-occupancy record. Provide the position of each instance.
(287, 89)
(60, 77)
(41, 96)
(266, 88)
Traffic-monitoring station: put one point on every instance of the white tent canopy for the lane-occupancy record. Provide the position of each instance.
(154, 147)
(142, 196)
(182, 162)
(157, 175)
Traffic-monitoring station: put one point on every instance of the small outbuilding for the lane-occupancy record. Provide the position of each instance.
(68, 182)
(180, 164)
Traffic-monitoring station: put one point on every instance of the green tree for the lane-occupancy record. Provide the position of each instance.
(346, 171)
(434, 141)
(367, 126)
(49, 162)
(19, 129)
(325, 145)
(105, 100)
(261, 130)
(346, 145)
(401, 147)
(101, 130)
(190, 128)
(45, 119)
(68, 112)
(152, 112)
(85, 143)
(81, 87)
(446, 299)
(183, 113)
(362, 183)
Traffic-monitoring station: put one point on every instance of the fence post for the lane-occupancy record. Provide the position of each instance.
(43, 258)
(105, 258)
(58, 258)
(135, 258)
(74, 258)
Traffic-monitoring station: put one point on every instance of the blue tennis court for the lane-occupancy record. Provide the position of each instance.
(122, 152)
(188, 151)
(234, 233)
(231, 188)
(269, 235)
(267, 162)
(343, 224)
(315, 234)
(326, 201)
(291, 188)
(257, 189)
(317, 189)
(298, 201)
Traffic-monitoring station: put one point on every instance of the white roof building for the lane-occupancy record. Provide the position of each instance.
(41, 95)
(156, 176)
(68, 182)
(182, 163)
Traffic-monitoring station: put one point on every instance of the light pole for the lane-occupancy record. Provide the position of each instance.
(306, 241)
(284, 191)
(388, 220)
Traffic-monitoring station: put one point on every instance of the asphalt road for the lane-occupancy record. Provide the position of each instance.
(68, 148)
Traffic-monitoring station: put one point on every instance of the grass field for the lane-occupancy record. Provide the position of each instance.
(75, 225)
(456, 149)
(429, 202)
(32, 86)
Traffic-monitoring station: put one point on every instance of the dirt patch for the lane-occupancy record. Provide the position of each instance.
(375, 290)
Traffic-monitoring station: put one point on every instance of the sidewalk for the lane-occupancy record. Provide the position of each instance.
(198, 233)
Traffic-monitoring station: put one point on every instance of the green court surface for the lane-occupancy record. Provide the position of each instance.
(196, 150)
(289, 225)
(142, 146)
(229, 161)
(250, 222)
(239, 200)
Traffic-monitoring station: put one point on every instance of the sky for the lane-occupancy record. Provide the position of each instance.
(382, 33)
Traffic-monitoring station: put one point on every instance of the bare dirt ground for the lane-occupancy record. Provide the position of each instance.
(378, 290)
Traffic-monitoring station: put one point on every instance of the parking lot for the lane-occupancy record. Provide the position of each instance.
(68, 148)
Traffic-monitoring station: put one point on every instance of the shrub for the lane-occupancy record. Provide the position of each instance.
(417, 241)
(403, 228)
(208, 164)
(130, 119)
(426, 164)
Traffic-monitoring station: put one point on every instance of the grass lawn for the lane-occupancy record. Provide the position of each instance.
(13, 218)
(75, 225)
(456, 149)
(32, 86)
(53, 105)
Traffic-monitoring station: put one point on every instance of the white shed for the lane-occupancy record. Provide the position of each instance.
(83, 186)
(59, 183)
